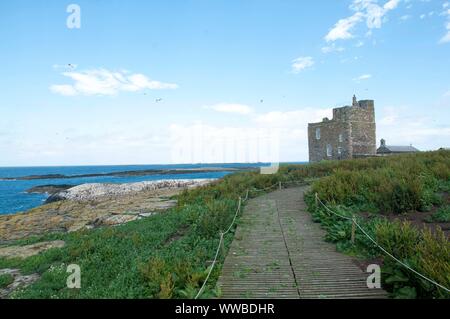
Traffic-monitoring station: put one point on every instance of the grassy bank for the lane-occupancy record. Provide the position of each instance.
(168, 255)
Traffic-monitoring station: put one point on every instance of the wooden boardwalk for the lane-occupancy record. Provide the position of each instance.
(279, 252)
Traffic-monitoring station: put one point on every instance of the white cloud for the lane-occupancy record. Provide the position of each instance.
(416, 130)
(367, 10)
(332, 48)
(231, 108)
(401, 127)
(301, 63)
(363, 77)
(405, 17)
(63, 89)
(292, 119)
(446, 37)
(105, 82)
(342, 28)
(391, 5)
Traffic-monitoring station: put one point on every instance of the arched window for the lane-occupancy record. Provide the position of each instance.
(318, 133)
(329, 150)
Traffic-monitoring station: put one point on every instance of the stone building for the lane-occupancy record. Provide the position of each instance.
(390, 149)
(350, 133)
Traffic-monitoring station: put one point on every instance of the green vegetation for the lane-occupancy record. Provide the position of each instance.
(395, 185)
(163, 256)
(169, 255)
(6, 280)
(442, 215)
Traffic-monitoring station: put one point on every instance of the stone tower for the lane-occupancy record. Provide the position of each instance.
(351, 133)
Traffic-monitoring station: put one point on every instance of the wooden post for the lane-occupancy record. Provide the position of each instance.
(353, 230)
(279, 184)
(316, 198)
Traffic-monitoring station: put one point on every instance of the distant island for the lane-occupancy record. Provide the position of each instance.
(135, 173)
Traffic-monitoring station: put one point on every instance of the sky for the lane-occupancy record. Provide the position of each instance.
(101, 82)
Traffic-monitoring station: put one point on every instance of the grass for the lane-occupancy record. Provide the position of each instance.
(442, 215)
(169, 255)
(6, 280)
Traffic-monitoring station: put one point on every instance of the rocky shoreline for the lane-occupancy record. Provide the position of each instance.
(95, 205)
(93, 191)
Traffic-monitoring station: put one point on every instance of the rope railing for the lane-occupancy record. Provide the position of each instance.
(356, 224)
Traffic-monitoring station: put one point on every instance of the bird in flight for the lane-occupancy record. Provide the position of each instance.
(158, 100)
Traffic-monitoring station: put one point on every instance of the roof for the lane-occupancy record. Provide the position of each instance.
(399, 149)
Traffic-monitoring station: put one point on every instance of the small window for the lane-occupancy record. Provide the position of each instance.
(329, 150)
(341, 138)
(318, 133)
(339, 150)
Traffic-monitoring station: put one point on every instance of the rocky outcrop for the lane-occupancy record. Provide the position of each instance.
(87, 192)
(29, 250)
(19, 281)
(49, 189)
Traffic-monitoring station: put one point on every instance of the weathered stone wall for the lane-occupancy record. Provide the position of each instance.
(357, 126)
(329, 132)
(362, 120)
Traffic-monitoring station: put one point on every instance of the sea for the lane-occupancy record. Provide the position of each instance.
(14, 198)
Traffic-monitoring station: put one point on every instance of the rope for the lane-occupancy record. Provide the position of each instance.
(212, 267)
(339, 215)
(220, 245)
(382, 249)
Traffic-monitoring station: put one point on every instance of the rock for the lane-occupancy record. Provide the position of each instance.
(92, 191)
(29, 250)
(49, 189)
(145, 215)
(114, 220)
(54, 198)
(19, 282)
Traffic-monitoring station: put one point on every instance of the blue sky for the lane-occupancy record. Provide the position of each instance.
(177, 81)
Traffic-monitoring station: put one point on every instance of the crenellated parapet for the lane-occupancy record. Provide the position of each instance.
(350, 133)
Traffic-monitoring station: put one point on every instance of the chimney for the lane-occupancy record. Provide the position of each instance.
(383, 142)
(355, 101)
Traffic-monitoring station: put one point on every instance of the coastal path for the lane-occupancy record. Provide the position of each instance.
(279, 252)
